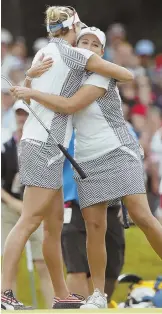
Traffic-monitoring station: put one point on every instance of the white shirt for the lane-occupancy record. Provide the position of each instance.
(60, 79)
(94, 135)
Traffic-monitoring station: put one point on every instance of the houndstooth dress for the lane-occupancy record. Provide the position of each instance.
(117, 168)
(40, 160)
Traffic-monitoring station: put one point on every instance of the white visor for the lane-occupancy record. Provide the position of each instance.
(67, 23)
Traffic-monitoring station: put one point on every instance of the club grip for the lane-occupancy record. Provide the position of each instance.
(125, 217)
(73, 162)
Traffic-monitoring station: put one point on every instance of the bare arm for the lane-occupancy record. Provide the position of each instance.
(154, 169)
(27, 83)
(11, 201)
(86, 95)
(98, 65)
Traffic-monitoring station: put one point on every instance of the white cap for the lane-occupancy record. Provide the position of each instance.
(145, 47)
(20, 105)
(40, 43)
(93, 31)
(6, 36)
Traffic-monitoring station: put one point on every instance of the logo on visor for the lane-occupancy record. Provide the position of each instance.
(93, 28)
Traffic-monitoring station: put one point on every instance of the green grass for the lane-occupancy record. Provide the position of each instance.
(140, 259)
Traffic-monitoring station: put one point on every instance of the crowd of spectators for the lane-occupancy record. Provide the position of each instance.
(142, 101)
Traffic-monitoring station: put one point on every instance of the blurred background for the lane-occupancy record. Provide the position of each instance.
(134, 40)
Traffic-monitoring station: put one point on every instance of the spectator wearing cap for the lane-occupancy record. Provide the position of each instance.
(13, 53)
(6, 40)
(6, 57)
(145, 49)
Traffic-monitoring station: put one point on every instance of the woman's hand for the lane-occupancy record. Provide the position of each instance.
(40, 67)
(21, 92)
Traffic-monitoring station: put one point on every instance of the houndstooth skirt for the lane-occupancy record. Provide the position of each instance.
(111, 176)
(40, 164)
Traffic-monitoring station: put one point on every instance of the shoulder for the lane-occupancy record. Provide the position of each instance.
(49, 50)
(37, 55)
(76, 52)
(84, 52)
(98, 80)
(75, 58)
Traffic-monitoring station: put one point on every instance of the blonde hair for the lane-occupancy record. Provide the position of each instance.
(55, 15)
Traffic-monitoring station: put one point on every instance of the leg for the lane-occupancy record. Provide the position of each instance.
(115, 246)
(53, 223)
(90, 285)
(45, 282)
(140, 213)
(9, 219)
(78, 282)
(96, 224)
(110, 285)
(35, 204)
(75, 258)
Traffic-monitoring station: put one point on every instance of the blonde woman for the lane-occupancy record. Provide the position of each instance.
(109, 156)
(41, 162)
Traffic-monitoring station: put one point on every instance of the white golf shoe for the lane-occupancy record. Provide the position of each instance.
(95, 301)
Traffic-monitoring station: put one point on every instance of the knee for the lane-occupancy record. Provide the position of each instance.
(30, 223)
(139, 211)
(142, 220)
(96, 225)
(53, 227)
